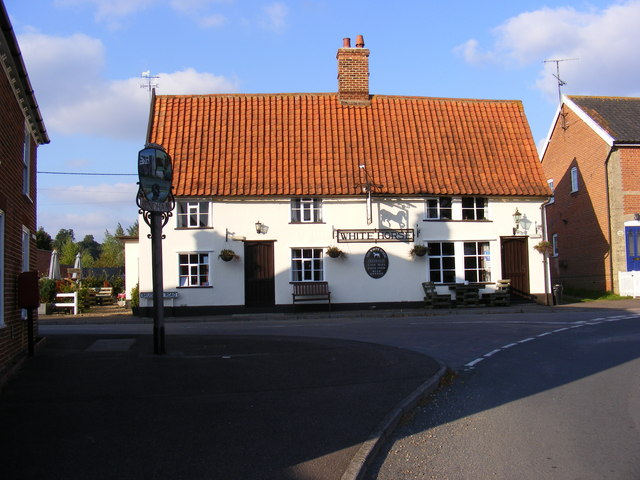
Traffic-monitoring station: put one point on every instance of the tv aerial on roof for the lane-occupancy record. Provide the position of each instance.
(561, 83)
(149, 85)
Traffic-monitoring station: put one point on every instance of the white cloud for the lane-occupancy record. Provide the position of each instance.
(605, 42)
(67, 74)
(89, 210)
(275, 17)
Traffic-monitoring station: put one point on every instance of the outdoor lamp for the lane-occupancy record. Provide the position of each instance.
(516, 218)
(259, 227)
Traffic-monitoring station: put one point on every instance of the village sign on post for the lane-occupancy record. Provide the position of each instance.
(156, 203)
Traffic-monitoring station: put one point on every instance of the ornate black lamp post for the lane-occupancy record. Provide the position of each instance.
(156, 203)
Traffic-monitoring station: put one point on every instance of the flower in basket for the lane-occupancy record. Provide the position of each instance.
(544, 247)
(227, 255)
(334, 252)
(418, 250)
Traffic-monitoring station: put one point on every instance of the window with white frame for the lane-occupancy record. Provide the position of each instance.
(551, 187)
(438, 208)
(194, 270)
(574, 179)
(307, 265)
(474, 208)
(306, 210)
(193, 214)
(477, 262)
(442, 262)
(26, 160)
(554, 244)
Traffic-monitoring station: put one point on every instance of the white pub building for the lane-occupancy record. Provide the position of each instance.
(268, 185)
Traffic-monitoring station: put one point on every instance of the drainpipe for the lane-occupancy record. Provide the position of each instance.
(545, 258)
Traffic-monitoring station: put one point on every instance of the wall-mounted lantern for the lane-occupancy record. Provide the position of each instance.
(261, 227)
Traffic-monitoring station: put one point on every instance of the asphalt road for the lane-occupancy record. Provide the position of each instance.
(563, 406)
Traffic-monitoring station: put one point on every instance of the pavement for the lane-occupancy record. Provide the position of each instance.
(213, 407)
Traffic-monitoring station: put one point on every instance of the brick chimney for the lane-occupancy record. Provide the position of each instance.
(353, 73)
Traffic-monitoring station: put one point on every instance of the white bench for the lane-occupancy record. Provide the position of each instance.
(72, 304)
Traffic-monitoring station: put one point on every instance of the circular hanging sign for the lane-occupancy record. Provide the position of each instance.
(376, 262)
(155, 173)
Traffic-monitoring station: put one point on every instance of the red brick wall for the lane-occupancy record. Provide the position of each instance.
(353, 74)
(580, 219)
(19, 210)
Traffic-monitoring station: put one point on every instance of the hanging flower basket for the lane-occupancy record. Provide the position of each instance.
(544, 247)
(418, 251)
(334, 252)
(227, 255)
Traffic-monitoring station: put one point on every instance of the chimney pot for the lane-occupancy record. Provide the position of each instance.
(346, 43)
(359, 41)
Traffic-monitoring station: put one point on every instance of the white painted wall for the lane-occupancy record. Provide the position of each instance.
(349, 283)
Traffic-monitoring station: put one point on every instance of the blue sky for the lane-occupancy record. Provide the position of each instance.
(85, 59)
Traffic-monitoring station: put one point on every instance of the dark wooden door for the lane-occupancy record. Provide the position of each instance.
(515, 264)
(259, 284)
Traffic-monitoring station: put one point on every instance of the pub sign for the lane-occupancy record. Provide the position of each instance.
(376, 262)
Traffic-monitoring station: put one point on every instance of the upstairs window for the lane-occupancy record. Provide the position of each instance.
(574, 179)
(438, 208)
(192, 214)
(306, 210)
(26, 161)
(474, 208)
(551, 187)
(554, 244)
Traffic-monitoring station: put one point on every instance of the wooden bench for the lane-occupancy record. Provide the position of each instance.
(73, 304)
(311, 291)
(104, 293)
(502, 294)
(432, 298)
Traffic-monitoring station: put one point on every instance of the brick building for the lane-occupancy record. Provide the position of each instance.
(591, 160)
(21, 131)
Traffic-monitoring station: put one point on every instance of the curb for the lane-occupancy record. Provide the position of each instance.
(361, 461)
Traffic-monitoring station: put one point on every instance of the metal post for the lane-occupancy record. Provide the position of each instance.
(158, 288)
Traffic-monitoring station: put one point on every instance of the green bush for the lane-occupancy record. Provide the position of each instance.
(135, 296)
(47, 287)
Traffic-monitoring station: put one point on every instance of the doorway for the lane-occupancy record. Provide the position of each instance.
(633, 248)
(259, 280)
(515, 264)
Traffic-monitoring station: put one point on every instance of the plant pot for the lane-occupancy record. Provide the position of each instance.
(333, 254)
(226, 258)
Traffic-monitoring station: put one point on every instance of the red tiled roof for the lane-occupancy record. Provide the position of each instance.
(310, 144)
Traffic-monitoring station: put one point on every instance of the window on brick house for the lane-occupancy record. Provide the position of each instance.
(438, 208)
(554, 244)
(26, 160)
(574, 179)
(474, 208)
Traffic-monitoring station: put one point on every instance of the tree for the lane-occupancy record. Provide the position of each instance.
(68, 252)
(133, 230)
(112, 254)
(88, 245)
(62, 236)
(43, 240)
